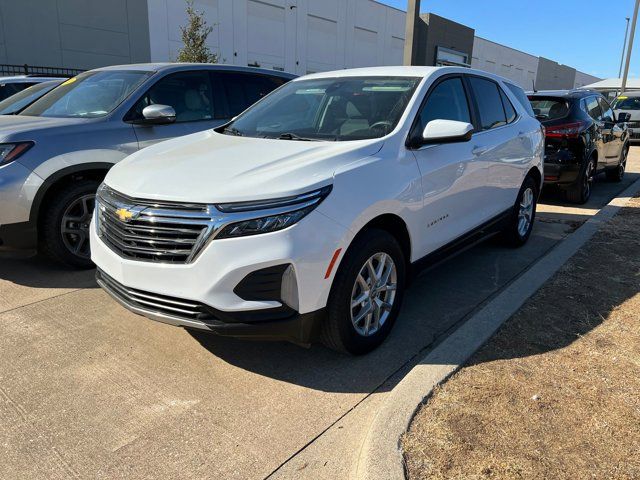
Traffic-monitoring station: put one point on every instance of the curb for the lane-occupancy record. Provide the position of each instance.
(380, 456)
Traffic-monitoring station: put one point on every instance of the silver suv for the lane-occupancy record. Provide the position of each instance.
(55, 153)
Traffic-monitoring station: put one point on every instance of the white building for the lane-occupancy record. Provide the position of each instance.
(505, 61)
(298, 36)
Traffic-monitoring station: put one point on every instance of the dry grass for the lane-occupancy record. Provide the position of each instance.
(556, 393)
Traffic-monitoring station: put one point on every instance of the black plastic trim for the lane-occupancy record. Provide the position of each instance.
(466, 241)
(262, 285)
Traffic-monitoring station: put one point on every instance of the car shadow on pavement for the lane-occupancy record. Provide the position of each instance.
(438, 302)
(39, 272)
(602, 188)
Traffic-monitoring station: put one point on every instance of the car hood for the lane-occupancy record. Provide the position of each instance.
(12, 126)
(208, 167)
(635, 114)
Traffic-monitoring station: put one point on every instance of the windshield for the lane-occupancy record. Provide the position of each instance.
(89, 95)
(17, 102)
(626, 103)
(549, 108)
(337, 109)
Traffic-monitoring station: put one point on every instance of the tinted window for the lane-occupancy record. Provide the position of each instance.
(189, 93)
(627, 103)
(9, 89)
(17, 102)
(336, 109)
(508, 107)
(593, 108)
(607, 112)
(244, 89)
(549, 108)
(489, 103)
(447, 101)
(521, 97)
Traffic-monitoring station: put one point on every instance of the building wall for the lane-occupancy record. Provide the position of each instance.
(297, 36)
(554, 76)
(444, 33)
(583, 79)
(513, 64)
(80, 34)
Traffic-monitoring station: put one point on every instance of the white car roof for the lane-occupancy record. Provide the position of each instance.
(396, 71)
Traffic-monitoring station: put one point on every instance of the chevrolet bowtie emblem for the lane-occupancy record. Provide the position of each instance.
(124, 214)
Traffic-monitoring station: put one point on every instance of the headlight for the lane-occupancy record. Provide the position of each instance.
(283, 213)
(11, 151)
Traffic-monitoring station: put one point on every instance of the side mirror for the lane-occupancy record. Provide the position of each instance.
(158, 115)
(624, 117)
(446, 131)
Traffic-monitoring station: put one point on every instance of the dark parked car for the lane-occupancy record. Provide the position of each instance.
(21, 100)
(583, 138)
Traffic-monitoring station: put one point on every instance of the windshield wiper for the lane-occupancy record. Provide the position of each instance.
(232, 131)
(293, 136)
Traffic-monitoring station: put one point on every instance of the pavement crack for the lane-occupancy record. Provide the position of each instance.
(40, 301)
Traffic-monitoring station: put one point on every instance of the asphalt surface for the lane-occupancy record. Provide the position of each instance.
(89, 390)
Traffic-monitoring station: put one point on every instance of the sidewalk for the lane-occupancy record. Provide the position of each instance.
(556, 393)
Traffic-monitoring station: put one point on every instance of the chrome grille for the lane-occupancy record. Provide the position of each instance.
(149, 230)
(153, 302)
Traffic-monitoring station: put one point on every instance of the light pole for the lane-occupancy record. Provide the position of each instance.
(411, 32)
(624, 47)
(633, 32)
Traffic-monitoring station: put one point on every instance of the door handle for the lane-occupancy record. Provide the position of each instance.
(477, 151)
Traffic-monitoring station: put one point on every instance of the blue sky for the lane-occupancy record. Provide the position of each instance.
(572, 32)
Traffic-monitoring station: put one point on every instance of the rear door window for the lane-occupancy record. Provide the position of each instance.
(521, 97)
(490, 109)
(244, 89)
(593, 108)
(549, 108)
(508, 107)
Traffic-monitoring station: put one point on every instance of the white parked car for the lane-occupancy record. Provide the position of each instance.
(304, 216)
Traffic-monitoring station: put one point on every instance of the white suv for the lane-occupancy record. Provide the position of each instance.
(304, 217)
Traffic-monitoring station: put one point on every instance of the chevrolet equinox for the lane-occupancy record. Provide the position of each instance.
(304, 217)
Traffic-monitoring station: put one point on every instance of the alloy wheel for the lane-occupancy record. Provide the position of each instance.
(75, 225)
(588, 180)
(525, 213)
(373, 294)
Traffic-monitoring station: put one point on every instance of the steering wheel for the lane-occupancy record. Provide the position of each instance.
(382, 123)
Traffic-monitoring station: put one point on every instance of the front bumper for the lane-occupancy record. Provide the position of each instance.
(18, 188)
(276, 324)
(211, 281)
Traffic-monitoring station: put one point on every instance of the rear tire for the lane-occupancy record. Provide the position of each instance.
(64, 235)
(366, 294)
(580, 192)
(520, 225)
(617, 174)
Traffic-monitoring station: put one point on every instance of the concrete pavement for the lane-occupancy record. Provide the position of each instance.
(89, 390)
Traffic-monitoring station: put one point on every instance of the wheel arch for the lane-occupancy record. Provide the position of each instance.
(395, 226)
(56, 181)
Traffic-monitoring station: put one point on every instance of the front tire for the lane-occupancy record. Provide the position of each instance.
(366, 294)
(65, 227)
(617, 174)
(520, 225)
